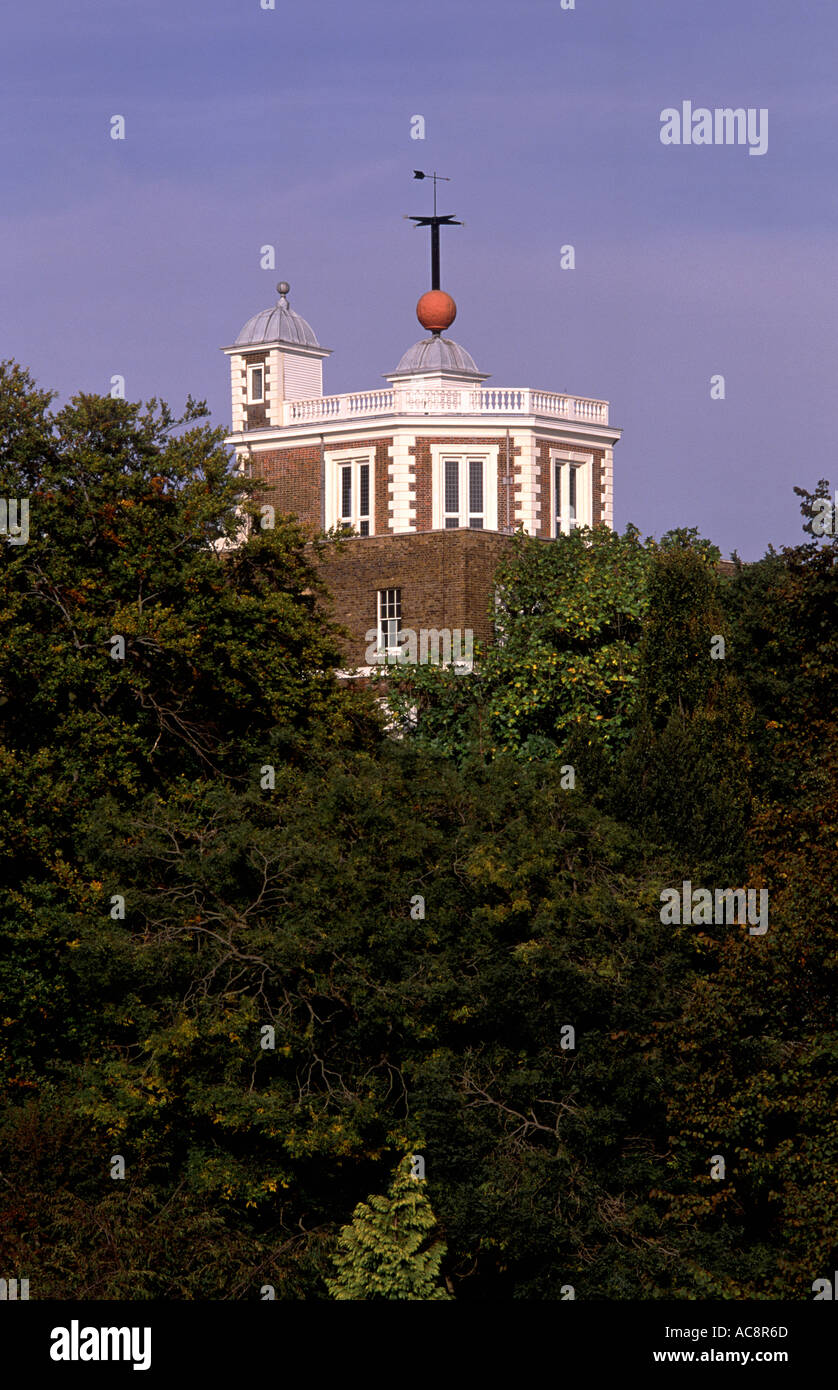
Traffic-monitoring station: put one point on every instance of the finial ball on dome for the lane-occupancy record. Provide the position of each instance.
(436, 311)
(283, 287)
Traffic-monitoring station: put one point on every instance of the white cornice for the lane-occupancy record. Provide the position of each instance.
(548, 427)
(300, 349)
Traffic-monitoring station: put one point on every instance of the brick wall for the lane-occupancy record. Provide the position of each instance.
(293, 477)
(445, 578)
(542, 455)
(292, 481)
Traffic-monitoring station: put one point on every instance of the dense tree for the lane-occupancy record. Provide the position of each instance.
(258, 952)
(685, 776)
(567, 618)
(131, 513)
(387, 1250)
(753, 1058)
(506, 1029)
(136, 651)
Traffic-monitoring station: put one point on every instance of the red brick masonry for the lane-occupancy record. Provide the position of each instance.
(445, 578)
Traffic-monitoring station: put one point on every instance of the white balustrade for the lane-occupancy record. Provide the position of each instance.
(454, 400)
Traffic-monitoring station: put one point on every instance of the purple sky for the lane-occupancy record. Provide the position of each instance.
(247, 126)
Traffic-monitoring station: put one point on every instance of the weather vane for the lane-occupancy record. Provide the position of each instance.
(434, 223)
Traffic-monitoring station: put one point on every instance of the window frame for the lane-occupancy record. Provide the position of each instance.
(445, 518)
(564, 466)
(252, 398)
(383, 600)
(336, 463)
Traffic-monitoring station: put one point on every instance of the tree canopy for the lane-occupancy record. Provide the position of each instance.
(255, 951)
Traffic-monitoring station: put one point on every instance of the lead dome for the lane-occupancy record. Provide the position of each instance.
(279, 324)
(436, 354)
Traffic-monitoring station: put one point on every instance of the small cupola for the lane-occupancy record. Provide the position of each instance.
(275, 358)
(436, 357)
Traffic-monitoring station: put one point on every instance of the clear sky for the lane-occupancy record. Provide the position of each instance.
(291, 127)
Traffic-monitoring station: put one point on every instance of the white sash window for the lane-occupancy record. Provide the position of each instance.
(350, 492)
(465, 489)
(256, 385)
(389, 621)
(570, 486)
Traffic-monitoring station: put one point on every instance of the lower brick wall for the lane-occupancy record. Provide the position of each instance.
(445, 578)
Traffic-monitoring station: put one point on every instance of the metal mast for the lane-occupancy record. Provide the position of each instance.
(434, 223)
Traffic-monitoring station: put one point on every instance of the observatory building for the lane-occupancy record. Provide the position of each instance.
(432, 471)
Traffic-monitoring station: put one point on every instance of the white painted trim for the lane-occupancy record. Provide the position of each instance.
(526, 499)
(244, 348)
(401, 483)
(608, 488)
(387, 427)
(275, 385)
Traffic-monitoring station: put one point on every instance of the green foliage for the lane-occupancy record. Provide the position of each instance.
(129, 523)
(684, 614)
(753, 1057)
(227, 664)
(388, 1030)
(269, 1028)
(685, 776)
(567, 621)
(384, 1251)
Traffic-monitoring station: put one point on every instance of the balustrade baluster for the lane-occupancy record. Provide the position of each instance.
(485, 400)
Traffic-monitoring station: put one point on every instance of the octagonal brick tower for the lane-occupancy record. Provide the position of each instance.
(432, 470)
